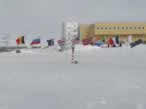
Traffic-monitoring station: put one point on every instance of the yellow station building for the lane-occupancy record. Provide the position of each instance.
(136, 29)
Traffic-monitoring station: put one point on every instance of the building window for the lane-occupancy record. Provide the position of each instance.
(122, 28)
(126, 28)
(130, 27)
(142, 27)
(135, 28)
(101, 28)
(139, 27)
(110, 28)
(105, 28)
(114, 28)
(97, 28)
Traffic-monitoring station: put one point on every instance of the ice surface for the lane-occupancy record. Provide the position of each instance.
(105, 78)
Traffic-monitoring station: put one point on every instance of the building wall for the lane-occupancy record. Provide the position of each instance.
(86, 31)
(98, 30)
(120, 28)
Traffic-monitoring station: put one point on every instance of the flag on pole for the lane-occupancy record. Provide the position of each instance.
(35, 41)
(61, 42)
(20, 40)
(50, 42)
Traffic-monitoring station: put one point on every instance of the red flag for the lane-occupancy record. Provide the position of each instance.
(18, 41)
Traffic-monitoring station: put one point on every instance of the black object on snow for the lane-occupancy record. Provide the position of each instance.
(137, 42)
(18, 51)
(75, 62)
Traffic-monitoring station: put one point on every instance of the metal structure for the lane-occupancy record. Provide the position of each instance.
(71, 32)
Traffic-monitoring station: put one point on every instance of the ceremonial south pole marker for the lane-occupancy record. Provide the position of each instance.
(71, 31)
(73, 61)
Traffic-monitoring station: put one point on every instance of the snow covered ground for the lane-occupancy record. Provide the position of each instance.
(105, 78)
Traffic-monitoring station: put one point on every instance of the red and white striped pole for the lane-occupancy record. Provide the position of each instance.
(73, 52)
(73, 48)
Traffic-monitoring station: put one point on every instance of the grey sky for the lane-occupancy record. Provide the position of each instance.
(45, 16)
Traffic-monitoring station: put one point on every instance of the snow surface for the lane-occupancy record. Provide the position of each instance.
(105, 78)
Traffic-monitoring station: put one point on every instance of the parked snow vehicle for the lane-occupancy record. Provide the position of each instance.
(99, 43)
(137, 42)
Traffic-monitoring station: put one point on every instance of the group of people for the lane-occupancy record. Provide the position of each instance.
(106, 42)
(110, 42)
(114, 42)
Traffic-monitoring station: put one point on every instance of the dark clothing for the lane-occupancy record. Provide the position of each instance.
(117, 39)
(137, 42)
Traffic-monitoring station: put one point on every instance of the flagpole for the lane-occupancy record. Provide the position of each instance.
(73, 50)
(17, 50)
(73, 61)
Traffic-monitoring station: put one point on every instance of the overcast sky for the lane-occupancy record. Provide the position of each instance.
(46, 16)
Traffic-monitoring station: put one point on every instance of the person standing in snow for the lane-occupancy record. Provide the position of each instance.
(110, 42)
(103, 39)
(129, 39)
(114, 42)
(117, 40)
